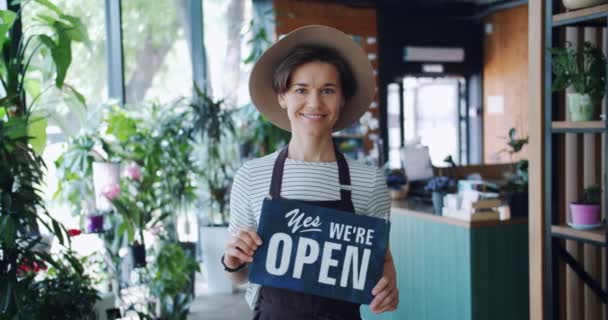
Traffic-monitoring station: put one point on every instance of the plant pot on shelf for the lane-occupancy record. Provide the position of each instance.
(213, 242)
(104, 174)
(585, 214)
(95, 223)
(138, 252)
(579, 4)
(581, 107)
(401, 193)
(438, 201)
(518, 203)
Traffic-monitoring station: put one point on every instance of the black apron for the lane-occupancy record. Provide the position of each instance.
(281, 304)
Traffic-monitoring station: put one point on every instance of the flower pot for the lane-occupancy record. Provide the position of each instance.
(401, 193)
(518, 204)
(438, 201)
(213, 242)
(578, 4)
(585, 214)
(104, 174)
(581, 107)
(95, 223)
(138, 252)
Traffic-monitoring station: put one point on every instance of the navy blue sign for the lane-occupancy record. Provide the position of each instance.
(318, 250)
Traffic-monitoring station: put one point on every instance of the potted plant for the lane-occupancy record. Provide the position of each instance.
(64, 292)
(214, 132)
(515, 191)
(397, 183)
(586, 212)
(439, 186)
(22, 136)
(172, 277)
(585, 71)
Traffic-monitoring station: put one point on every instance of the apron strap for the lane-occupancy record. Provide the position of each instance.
(277, 174)
(344, 177)
(343, 173)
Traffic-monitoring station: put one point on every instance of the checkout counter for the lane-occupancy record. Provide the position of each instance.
(455, 269)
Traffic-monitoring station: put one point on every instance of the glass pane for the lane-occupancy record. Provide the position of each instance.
(226, 28)
(156, 47)
(437, 120)
(87, 74)
(88, 69)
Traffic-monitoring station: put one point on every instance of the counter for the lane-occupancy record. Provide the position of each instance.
(458, 270)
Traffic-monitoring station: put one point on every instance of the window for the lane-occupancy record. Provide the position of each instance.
(226, 31)
(157, 63)
(431, 116)
(87, 74)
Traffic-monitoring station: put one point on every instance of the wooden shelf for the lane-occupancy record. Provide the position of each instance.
(578, 127)
(596, 236)
(586, 16)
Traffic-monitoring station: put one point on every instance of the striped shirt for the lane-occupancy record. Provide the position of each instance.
(308, 181)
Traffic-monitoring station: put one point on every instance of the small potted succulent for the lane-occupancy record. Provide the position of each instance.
(585, 71)
(397, 183)
(440, 186)
(586, 212)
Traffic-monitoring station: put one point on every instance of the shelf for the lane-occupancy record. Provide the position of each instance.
(586, 16)
(596, 236)
(578, 127)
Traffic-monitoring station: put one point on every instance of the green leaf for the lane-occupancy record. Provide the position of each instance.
(37, 131)
(2, 113)
(17, 128)
(7, 18)
(78, 31)
(121, 126)
(77, 95)
(62, 55)
(49, 5)
(57, 229)
(32, 86)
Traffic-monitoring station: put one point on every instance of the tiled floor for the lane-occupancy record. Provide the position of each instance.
(220, 306)
(208, 306)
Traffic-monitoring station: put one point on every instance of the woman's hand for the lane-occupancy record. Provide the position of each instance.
(240, 248)
(386, 294)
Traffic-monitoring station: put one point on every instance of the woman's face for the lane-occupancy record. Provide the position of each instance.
(313, 99)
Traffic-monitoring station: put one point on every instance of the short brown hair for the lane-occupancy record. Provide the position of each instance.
(306, 54)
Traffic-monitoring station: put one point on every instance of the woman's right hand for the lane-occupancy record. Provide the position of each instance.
(240, 248)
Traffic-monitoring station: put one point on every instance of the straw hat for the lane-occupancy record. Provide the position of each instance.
(264, 97)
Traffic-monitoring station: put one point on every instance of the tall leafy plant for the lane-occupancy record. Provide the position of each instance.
(261, 137)
(22, 209)
(171, 276)
(214, 129)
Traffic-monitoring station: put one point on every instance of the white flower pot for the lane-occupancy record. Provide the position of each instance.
(104, 173)
(579, 4)
(581, 108)
(213, 241)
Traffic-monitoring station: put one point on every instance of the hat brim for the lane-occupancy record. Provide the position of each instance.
(265, 98)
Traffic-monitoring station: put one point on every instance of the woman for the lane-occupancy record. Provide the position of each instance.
(312, 82)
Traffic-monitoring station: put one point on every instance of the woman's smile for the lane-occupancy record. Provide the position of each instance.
(313, 116)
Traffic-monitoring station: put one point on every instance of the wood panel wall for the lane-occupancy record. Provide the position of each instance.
(505, 75)
(292, 14)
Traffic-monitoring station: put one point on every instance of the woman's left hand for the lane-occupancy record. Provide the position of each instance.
(386, 294)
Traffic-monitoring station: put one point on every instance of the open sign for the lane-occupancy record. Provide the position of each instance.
(318, 250)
